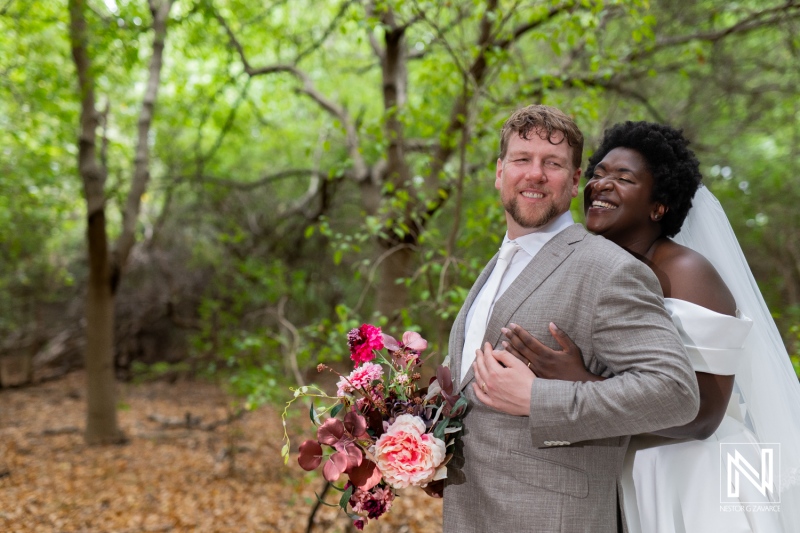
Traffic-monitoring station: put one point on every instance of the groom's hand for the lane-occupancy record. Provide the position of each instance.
(434, 489)
(502, 381)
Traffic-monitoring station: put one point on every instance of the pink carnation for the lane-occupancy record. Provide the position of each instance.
(359, 378)
(374, 502)
(362, 341)
(406, 455)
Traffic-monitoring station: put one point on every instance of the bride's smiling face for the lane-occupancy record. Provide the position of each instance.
(618, 198)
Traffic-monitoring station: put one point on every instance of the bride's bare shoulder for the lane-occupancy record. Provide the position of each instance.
(693, 278)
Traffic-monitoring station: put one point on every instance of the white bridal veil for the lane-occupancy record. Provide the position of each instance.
(765, 379)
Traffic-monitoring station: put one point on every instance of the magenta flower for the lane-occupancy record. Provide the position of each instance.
(359, 378)
(362, 341)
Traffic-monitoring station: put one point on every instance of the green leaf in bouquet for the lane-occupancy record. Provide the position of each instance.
(346, 497)
(285, 453)
(336, 408)
(459, 406)
(323, 502)
(439, 431)
(455, 424)
(312, 413)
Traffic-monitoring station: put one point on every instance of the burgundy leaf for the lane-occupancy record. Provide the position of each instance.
(356, 425)
(330, 432)
(366, 475)
(310, 455)
(337, 463)
(390, 343)
(354, 456)
(444, 378)
(375, 422)
(450, 398)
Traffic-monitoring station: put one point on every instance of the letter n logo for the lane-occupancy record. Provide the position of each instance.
(748, 466)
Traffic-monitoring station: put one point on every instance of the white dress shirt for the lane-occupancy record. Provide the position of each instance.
(530, 245)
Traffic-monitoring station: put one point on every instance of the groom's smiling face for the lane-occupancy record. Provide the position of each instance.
(536, 180)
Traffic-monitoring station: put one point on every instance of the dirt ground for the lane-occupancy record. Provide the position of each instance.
(231, 479)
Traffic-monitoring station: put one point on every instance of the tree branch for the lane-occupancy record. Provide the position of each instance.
(361, 170)
(754, 21)
(264, 180)
(328, 31)
(521, 30)
(226, 128)
(141, 164)
(92, 174)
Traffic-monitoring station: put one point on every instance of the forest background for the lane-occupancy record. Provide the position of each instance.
(223, 188)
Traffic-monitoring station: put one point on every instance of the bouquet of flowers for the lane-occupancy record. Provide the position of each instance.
(381, 430)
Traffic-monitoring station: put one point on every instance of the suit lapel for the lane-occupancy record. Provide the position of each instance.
(539, 269)
(461, 321)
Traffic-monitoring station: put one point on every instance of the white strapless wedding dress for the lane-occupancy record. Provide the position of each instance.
(674, 486)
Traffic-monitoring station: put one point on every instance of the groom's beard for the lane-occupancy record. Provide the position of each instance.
(533, 220)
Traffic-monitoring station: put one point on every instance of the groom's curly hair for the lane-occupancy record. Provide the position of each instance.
(675, 168)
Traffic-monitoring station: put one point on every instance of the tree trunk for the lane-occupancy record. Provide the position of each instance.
(392, 297)
(105, 268)
(101, 419)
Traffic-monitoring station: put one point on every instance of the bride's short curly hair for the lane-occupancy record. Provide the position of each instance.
(675, 168)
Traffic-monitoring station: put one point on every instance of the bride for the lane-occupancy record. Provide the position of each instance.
(641, 181)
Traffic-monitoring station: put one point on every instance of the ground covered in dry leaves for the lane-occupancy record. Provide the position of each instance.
(166, 479)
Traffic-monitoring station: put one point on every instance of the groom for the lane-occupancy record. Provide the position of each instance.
(544, 455)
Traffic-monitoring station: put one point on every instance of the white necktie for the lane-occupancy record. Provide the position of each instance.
(480, 318)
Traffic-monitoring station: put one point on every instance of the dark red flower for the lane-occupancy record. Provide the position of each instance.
(374, 502)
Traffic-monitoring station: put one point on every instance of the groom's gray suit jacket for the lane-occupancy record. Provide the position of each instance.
(558, 470)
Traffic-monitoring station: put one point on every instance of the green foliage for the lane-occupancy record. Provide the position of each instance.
(271, 267)
(142, 372)
(39, 202)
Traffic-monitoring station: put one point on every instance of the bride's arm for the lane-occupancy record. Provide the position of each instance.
(687, 275)
(695, 281)
(565, 364)
(715, 392)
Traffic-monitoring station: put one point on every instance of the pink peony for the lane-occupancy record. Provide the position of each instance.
(362, 341)
(406, 455)
(359, 378)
